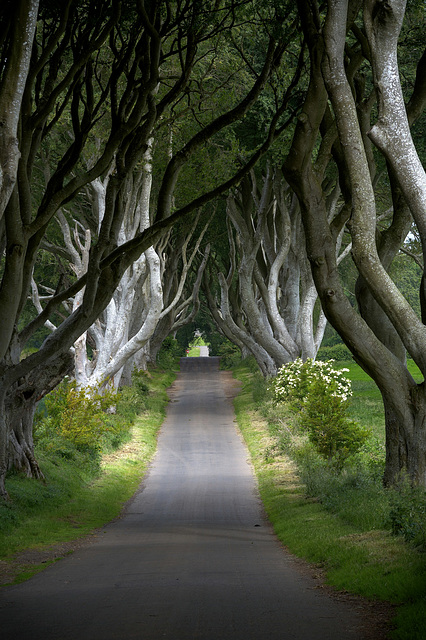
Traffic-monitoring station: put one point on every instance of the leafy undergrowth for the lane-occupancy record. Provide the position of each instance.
(83, 489)
(341, 522)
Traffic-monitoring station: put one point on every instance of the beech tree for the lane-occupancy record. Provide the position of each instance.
(92, 89)
(13, 76)
(386, 327)
(276, 294)
(145, 295)
(80, 107)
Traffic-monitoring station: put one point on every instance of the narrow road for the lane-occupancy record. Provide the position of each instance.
(191, 558)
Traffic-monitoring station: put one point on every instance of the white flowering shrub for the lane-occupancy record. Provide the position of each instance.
(321, 395)
(295, 381)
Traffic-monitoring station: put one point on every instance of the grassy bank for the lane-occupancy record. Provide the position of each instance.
(81, 491)
(340, 522)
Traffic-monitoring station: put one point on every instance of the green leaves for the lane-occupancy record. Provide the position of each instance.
(296, 380)
(332, 433)
(79, 416)
(321, 395)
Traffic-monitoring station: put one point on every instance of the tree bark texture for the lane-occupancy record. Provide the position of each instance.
(378, 355)
(276, 287)
(22, 28)
(87, 99)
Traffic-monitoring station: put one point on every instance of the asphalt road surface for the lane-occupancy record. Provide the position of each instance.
(191, 558)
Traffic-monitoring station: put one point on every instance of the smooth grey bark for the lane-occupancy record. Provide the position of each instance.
(404, 400)
(277, 290)
(133, 315)
(363, 215)
(383, 26)
(114, 345)
(224, 319)
(241, 212)
(64, 82)
(11, 93)
(182, 311)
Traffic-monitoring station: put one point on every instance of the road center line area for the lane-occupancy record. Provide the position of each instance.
(192, 556)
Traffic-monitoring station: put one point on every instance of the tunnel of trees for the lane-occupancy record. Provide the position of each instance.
(258, 163)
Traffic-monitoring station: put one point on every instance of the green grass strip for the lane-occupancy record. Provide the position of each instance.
(193, 352)
(73, 503)
(372, 564)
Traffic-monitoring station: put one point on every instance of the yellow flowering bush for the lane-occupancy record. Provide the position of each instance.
(78, 415)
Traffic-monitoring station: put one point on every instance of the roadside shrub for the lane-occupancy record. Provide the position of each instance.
(351, 493)
(295, 381)
(230, 355)
(71, 427)
(77, 418)
(408, 513)
(321, 395)
(339, 352)
(313, 469)
(169, 353)
(291, 384)
(260, 388)
(250, 364)
(82, 422)
(132, 401)
(370, 459)
(334, 435)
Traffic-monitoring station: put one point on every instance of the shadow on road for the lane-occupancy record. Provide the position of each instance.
(191, 558)
(199, 364)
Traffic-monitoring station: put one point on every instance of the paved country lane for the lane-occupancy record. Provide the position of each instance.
(191, 558)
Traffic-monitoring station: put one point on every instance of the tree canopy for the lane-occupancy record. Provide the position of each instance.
(157, 154)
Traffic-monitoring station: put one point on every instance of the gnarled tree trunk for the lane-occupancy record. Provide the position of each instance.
(404, 400)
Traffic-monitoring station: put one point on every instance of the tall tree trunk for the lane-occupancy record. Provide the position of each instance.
(244, 340)
(18, 405)
(404, 400)
(405, 415)
(11, 93)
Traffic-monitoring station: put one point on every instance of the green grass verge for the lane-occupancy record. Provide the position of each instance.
(367, 405)
(74, 500)
(193, 352)
(369, 562)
